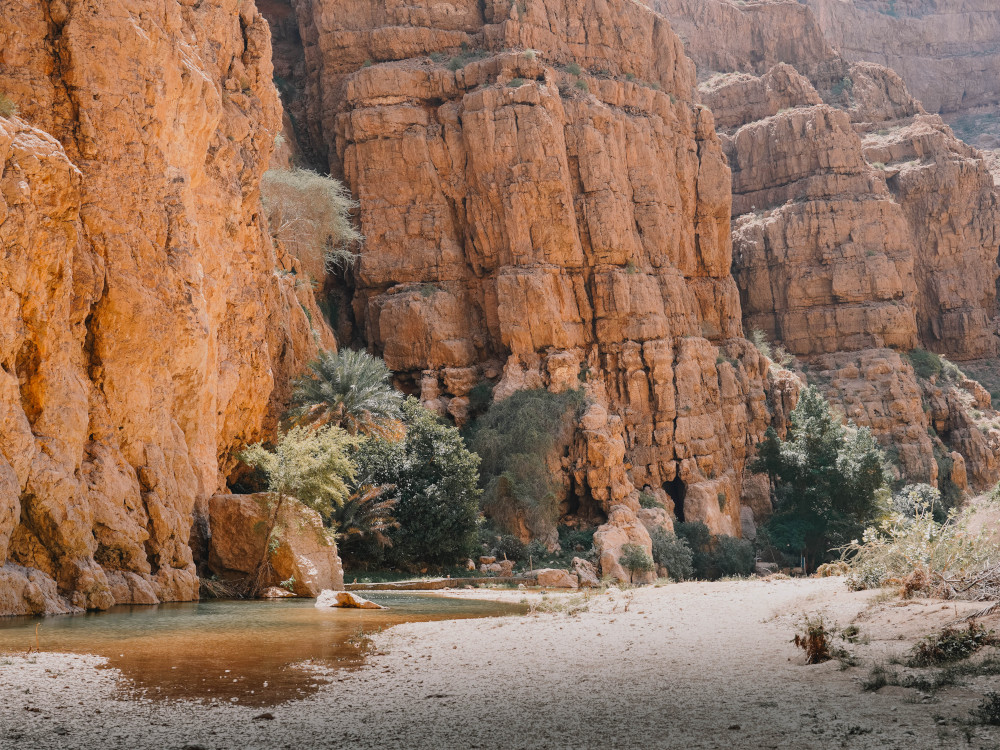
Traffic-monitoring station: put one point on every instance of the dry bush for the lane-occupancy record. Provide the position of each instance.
(924, 557)
(310, 215)
(815, 641)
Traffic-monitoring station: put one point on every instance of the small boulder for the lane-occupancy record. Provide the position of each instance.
(470, 564)
(345, 599)
(506, 568)
(491, 569)
(276, 592)
(487, 560)
(554, 578)
(586, 573)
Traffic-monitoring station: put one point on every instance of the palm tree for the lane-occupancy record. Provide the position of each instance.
(349, 388)
(366, 515)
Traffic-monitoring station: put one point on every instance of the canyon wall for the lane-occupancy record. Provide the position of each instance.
(147, 325)
(947, 51)
(862, 228)
(545, 204)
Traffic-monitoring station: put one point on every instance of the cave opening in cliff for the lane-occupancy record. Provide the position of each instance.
(677, 489)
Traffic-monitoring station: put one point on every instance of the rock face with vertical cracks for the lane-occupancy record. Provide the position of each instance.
(145, 329)
(557, 217)
(947, 51)
(862, 227)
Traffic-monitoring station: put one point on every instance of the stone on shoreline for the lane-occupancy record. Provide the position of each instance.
(344, 599)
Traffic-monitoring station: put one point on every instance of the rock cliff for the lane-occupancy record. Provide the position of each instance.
(545, 204)
(861, 225)
(947, 51)
(148, 326)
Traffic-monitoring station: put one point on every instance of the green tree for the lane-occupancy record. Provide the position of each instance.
(673, 553)
(515, 439)
(365, 519)
(311, 466)
(826, 479)
(635, 559)
(436, 483)
(348, 388)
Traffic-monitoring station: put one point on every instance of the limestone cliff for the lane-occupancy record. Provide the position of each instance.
(861, 226)
(545, 204)
(147, 326)
(947, 51)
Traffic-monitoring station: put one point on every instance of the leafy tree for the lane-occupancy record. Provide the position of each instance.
(635, 559)
(365, 519)
(826, 480)
(311, 466)
(673, 553)
(699, 540)
(348, 388)
(732, 556)
(514, 439)
(436, 487)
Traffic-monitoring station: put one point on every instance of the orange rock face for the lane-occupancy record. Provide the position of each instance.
(145, 324)
(555, 216)
(860, 223)
(947, 51)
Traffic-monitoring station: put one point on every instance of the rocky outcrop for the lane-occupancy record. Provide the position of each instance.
(546, 205)
(147, 326)
(843, 247)
(947, 51)
(301, 554)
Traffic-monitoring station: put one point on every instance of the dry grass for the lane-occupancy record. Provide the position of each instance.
(310, 215)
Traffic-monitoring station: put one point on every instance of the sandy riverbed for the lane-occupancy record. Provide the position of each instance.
(695, 665)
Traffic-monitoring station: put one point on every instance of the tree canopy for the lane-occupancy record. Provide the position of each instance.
(826, 480)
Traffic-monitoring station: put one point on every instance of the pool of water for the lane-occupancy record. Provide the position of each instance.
(248, 652)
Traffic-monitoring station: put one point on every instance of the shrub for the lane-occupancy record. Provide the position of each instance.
(732, 556)
(529, 54)
(951, 644)
(635, 559)
(435, 477)
(515, 83)
(925, 364)
(988, 711)
(815, 640)
(582, 85)
(827, 480)
(348, 388)
(515, 439)
(760, 341)
(912, 497)
(673, 553)
(570, 539)
(310, 214)
(573, 69)
(7, 107)
(947, 559)
(510, 547)
(480, 397)
(648, 500)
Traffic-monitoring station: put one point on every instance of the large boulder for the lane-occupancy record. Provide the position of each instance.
(554, 578)
(304, 560)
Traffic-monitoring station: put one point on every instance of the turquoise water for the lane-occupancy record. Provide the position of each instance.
(247, 652)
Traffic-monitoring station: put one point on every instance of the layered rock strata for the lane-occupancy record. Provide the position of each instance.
(148, 327)
(546, 205)
(860, 223)
(947, 51)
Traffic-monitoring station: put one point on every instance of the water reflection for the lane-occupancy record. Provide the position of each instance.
(256, 653)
